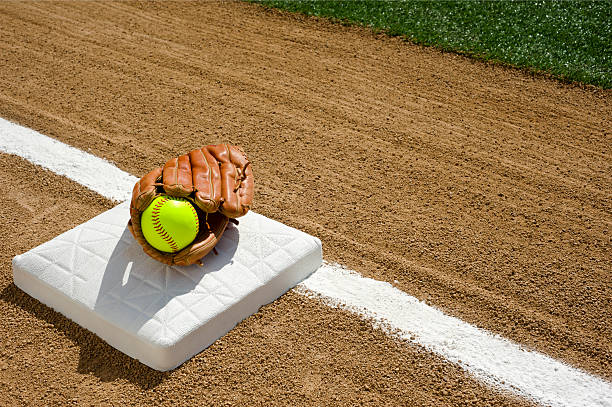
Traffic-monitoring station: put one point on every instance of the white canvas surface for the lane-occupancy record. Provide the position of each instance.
(97, 275)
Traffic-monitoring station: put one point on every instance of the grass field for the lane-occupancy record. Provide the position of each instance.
(571, 40)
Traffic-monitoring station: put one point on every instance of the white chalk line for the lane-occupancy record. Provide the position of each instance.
(93, 172)
(489, 357)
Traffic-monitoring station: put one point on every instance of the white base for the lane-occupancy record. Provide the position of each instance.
(98, 276)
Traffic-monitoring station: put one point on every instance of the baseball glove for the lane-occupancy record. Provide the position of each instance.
(217, 179)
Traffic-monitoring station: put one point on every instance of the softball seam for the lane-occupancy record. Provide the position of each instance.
(159, 229)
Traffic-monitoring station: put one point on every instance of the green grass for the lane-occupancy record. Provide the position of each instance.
(571, 40)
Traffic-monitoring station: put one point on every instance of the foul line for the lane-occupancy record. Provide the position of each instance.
(489, 357)
(93, 172)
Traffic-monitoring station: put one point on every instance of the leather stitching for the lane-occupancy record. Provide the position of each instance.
(229, 156)
(212, 188)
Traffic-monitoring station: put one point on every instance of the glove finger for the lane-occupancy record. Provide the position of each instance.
(206, 180)
(144, 190)
(234, 168)
(177, 176)
(244, 172)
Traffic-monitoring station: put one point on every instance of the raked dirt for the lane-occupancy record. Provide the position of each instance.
(294, 352)
(479, 189)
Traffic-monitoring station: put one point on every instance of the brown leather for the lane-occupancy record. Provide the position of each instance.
(219, 176)
(218, 179)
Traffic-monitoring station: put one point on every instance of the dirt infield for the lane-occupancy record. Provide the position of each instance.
(482, 190)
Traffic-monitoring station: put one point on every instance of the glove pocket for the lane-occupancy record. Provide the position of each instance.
(212, 227)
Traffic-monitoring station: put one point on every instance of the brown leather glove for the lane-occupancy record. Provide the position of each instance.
(218, 179)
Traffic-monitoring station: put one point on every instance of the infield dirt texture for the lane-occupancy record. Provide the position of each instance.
(482, 190)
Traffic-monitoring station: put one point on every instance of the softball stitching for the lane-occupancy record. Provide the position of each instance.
(159, 229)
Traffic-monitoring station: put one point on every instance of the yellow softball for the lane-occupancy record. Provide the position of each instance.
(169, 223)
